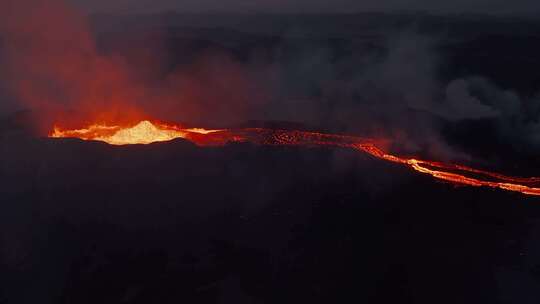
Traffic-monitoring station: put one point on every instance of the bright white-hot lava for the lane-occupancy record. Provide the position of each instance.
(146, 132)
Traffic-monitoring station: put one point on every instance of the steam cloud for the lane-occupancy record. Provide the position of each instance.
(54, 66)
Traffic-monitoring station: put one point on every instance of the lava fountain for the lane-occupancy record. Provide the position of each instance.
(146, 132)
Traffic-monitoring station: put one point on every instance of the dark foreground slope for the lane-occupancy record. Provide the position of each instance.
(85, 222)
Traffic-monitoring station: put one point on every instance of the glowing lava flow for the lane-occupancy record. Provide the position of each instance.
(146, 132)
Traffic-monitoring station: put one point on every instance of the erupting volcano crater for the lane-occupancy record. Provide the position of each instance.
(143, 132)
(146, 132)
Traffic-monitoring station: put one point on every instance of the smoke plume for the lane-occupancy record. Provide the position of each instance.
(54, 65)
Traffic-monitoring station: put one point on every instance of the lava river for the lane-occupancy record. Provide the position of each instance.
(146, 132)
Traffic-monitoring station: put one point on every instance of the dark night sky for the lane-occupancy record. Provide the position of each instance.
(313, 6)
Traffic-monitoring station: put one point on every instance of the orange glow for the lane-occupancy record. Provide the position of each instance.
(146, 132)
(458, 174)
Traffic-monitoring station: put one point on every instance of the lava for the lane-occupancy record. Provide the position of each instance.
(146, 132)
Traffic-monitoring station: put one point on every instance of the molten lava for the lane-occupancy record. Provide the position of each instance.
(146, 132)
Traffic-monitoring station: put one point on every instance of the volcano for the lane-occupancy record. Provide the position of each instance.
(145, 132)
(249, 210)
(267, 158)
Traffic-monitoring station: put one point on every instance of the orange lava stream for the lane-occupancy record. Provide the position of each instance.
(146, 132)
